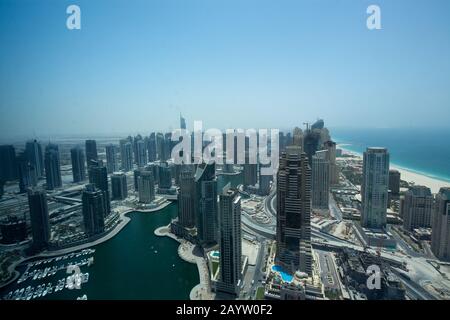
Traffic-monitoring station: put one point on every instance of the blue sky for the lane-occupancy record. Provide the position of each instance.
(134, 65)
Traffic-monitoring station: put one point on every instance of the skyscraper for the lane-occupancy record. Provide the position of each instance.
(91, 151)
(330, 146)
(27, 172)
(40, 226)
(264, 181)
(417, 208)
(206, 192)
(294, 211)
(8, 168)
(311, 142)
(33, 150)
(134, 142)
(394, 182)
(167, 146)
(165, 176)
(440, 236)
(151, 147)
(297, 137)
(374, 189)
(119, 186)
(111, 158)
(186, 199)
(52, 167)
(98, 176)
(136, 174)
(126, 154)
(250, 174)
(78, 168)
(160, 146)
(141, 153)
(182, 122)
(94, 210)
(320, 180)
(230, 242)
(146, 187)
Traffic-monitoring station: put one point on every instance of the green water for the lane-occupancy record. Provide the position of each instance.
(127, 267)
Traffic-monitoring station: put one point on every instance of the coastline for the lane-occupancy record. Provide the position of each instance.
(124, 219)
(186, 252)
(407, 174)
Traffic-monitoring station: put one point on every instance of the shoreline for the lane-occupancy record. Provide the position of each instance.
(111, 234)
(407, 174)
(185, 251)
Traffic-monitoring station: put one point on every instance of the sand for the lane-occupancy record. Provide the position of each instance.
(419, 179)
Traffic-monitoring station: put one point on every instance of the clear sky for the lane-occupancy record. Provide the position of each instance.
(135, 65)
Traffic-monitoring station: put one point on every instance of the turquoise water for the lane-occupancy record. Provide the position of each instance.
(424, 151)
(286, 277)
(135, 264)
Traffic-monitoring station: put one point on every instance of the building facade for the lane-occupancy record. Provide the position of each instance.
(320, 180)
(374, 189)
(440, 236)
(293, 233)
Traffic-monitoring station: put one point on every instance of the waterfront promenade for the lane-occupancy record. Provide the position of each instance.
(191, 253)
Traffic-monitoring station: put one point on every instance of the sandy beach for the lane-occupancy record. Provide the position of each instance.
(419, 179)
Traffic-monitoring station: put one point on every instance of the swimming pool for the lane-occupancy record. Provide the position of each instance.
(286, 277)
(215, 254)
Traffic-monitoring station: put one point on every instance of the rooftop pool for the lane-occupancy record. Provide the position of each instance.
(286, 277)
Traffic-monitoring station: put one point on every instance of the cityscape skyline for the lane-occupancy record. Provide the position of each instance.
(224, 150)
(249, 58)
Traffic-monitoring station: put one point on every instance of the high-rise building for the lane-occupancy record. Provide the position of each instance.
(311, 142)
(374, 189)
(78, 168)
(250, 174)
(111, 158)
(186, 199)
(40, 226)
(91, 151)
(119, 187)
(167, 146)
(136, 174)
(264, 181)
(151, 147)
(94, 210)
(297, 137)
(33, 150)
(182, 122)
(440, 236)
(8, 167)
(330, 146)
(417, 208)
(394, 182)
(165, 176)
(141, 153)
(320, 180)
(98, 176)
(146, 187)
(230, 242)
(160, 146)
(52, 167)
(135, 147)
(27, 172)
(294, 211)
(126, 154)
(206, 193)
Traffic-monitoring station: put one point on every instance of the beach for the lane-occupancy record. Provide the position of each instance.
(410, 176)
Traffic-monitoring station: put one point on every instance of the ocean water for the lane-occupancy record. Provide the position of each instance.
(424, 151)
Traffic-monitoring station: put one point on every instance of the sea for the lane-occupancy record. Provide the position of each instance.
(424, 151)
